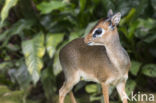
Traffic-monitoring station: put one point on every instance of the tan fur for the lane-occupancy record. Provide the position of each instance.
(107, 64)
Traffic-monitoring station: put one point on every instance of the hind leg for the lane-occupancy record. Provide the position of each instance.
(121, 90)
(71, 80)
(72, 97)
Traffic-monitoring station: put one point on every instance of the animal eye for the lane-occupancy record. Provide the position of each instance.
(98, 32)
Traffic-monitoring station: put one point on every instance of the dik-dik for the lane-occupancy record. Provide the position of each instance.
(98, 57)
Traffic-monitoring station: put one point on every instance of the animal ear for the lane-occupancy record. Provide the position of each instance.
(116, 18)
(110, 13)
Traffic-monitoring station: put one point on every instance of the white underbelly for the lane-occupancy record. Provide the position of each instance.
(110, 81)
(116, 80)
(88, 77)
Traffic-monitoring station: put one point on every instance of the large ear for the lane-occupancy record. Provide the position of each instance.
(110, 13)
(116, 18)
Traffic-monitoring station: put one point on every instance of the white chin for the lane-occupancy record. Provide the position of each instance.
(92, 44)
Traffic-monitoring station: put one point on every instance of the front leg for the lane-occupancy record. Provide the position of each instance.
(105, 91)
(121, 90)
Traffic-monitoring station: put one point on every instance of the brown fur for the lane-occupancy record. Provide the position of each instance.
(77, 56)
(107, 64)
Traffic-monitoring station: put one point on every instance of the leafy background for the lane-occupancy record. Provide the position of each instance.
(33, 31)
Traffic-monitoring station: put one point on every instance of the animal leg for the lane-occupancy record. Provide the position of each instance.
(121, 90)
(105, 91)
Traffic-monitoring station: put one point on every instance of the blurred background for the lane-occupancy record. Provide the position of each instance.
(33, 31)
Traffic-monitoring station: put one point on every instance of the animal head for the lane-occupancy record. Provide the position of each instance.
(105, 31)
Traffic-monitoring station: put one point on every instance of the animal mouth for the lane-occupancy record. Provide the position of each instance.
(90, 43)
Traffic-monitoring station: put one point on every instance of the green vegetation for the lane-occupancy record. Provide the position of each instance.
(33, 31)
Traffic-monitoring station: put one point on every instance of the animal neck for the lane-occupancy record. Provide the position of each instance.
(117, 55)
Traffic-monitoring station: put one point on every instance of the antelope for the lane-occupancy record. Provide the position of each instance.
(98, 57)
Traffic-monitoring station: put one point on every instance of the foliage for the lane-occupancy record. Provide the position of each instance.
(33, 51)
(7, 6)
(33, 31)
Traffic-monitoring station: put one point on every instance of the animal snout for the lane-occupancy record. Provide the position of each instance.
(87, 39)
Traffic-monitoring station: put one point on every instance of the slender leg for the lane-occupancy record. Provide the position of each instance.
(67, 87)
(63, 92)
(72, 97)
(105, 91)
(121, 90)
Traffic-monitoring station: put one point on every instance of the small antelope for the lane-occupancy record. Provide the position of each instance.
(98, 57)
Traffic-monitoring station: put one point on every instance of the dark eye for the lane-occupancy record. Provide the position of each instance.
(98, 32)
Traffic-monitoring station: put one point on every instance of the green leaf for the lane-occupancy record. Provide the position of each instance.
(147, 23)
(52, 40)
(56, 65)
(80, 86)
(16, 28)
(132, 28)
(95, 98)
(33, 51)
(125, 32)
(128, 17)
(89, 27)
(130, 86)
(21, 75)
(107, 4)
(149, 70)
(150, 38)
(6, 65)
(9, 96)
(91, 88)
(48, 82)
(135, 67)
(5, 10)
(12, 47)
(47, 7)
(82, 4)
(74, 35)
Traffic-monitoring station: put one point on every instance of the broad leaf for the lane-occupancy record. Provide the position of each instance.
(52, 40)
(89, 27)
(135, 67)
(33, 51)
(56, 65)
(9, 96)
(75, 35)
(128, 17)
(5, 10)
(16, 28)
(82, 4)
(91, 88)
(130, 86)
(47, 7)
(150, 38)
(48, 81)
(131, 31)
(125, 32)
(149, 70)
(20, 75)
(6, 65)
(145, 25)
